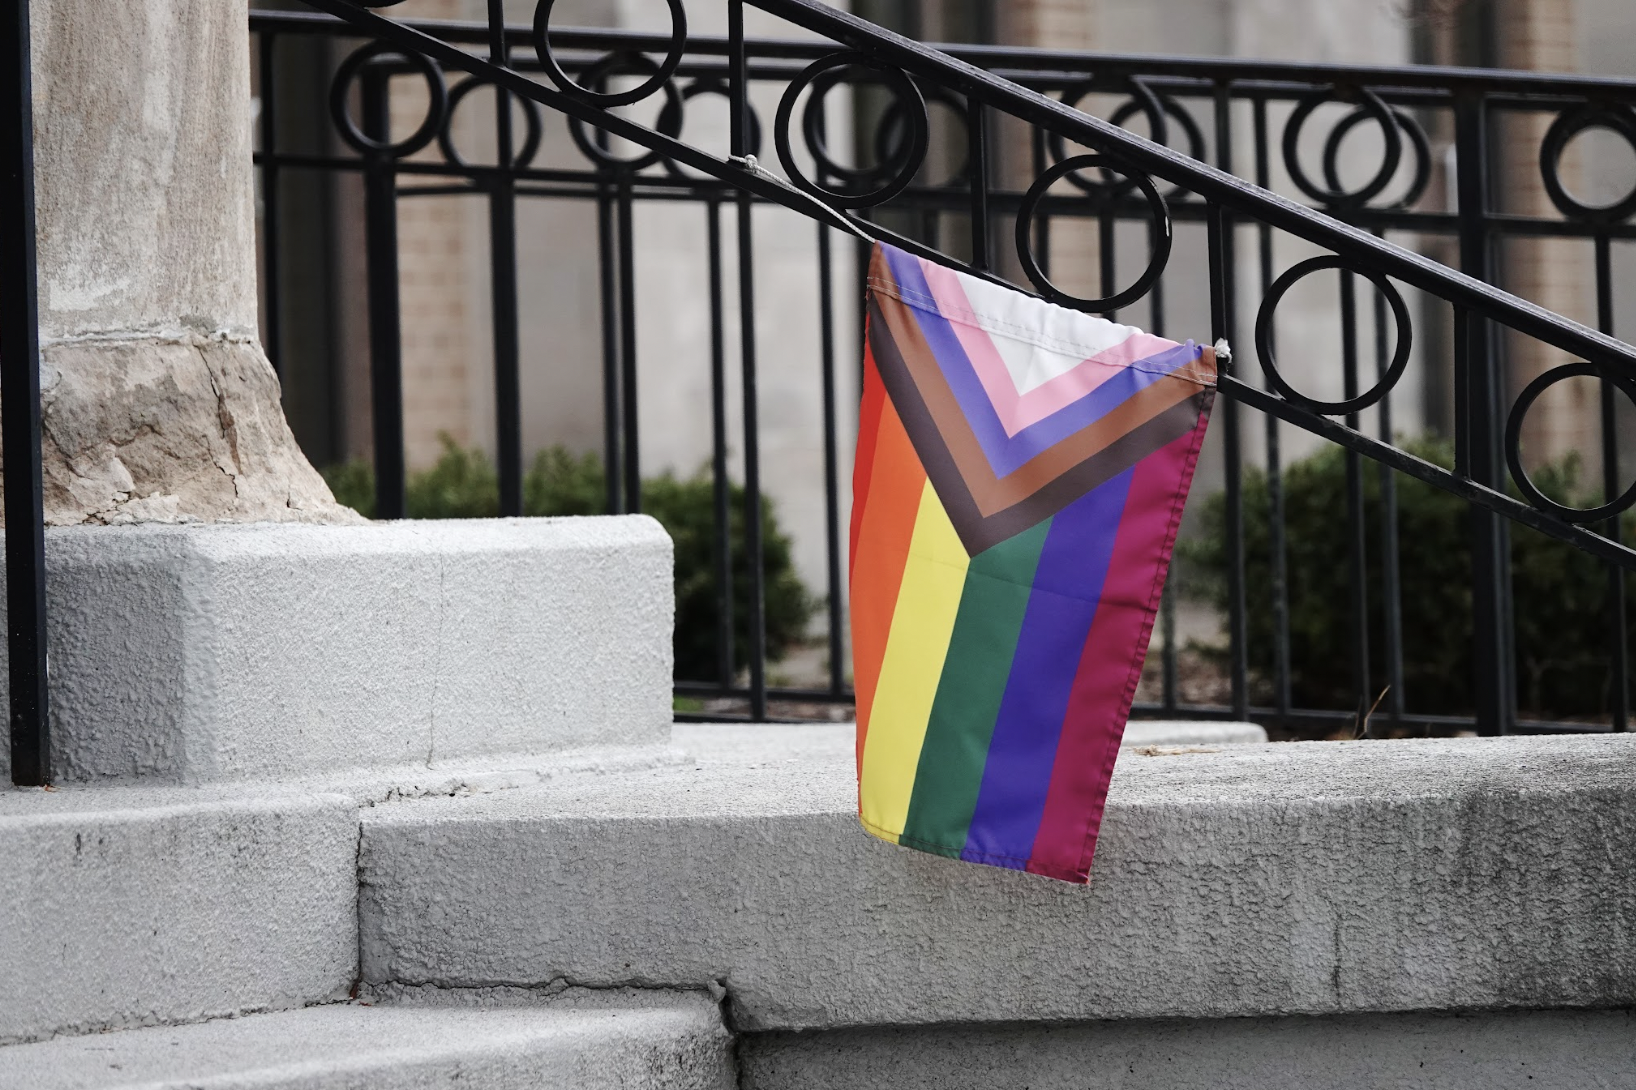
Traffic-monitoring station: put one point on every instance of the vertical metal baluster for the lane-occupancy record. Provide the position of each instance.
(832, 472)
(29, 711)
(508, 399)
(1356, 526)
(272, 334)
(1276, 543)
(977, 155)
(1104, 244)
(610, 346)
(1462, 391)
(385, 330)
(721, 487)
(1391, 573)
(1491, 666)
(1223, 322)
(1042, 217)
(1617, 619)
(1167, 601)
(740, 86)
(627, 344)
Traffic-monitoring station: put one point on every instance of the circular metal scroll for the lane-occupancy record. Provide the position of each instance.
(890, 132)
(531, 117)
(1161, 236)
(670, 115)
(1418, 144)
(1568, 125)
(661, 71)
(1513, 442)
(1142, 100)
(341, 92)
(1371, 105)
(822, 75)
(672, 118)
(1269, 364)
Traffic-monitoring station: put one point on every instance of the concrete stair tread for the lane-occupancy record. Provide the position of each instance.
(130, 906)
(673, 1042)
(1310, 878)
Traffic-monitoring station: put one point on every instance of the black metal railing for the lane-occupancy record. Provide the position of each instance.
(28, 715)
(1004, 148)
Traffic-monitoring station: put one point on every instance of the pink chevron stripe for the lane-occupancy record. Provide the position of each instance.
(1018, 411)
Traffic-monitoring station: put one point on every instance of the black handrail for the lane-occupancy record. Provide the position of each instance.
(1222, 190)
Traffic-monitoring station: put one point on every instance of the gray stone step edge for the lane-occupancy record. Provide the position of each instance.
(592, 1041)
(199, 654)
(1237, 881)
(134, 906)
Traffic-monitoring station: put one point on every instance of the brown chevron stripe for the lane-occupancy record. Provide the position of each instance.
(976, 530)
(993, 494)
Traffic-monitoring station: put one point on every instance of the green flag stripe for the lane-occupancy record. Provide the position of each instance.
(998, 584)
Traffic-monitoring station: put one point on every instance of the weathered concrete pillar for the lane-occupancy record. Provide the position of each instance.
(159, 403)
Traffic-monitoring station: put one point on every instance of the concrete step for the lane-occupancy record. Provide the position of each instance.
(673, 1042)
(1495, 1050)
(133, 906)
(209, 653)
(1235, 881)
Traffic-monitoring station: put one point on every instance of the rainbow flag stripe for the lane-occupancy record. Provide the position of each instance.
(1020, 475)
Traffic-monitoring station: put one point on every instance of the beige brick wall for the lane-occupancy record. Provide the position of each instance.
(1049, 24)
(1075, 248)
(445, 344)
(1539, 35)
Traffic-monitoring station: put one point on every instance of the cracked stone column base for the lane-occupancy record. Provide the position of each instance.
(158, 403)
(183, 428)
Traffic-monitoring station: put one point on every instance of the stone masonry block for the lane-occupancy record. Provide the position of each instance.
(205, 653)
(133, 906)
(1315, 878)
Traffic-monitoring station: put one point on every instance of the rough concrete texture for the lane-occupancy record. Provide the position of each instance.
(1316, 878)
(1191, 732)
(158, 403)
(1585, 1050)
(678, 1044)
(204, 653)
(123, 907)
(189, 429)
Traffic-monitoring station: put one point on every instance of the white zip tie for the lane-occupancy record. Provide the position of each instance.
(748, 162)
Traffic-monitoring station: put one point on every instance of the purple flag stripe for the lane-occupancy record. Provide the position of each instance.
(1067, 587)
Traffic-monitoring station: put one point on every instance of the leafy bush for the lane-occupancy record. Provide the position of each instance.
(463, 484)
(1560, 594)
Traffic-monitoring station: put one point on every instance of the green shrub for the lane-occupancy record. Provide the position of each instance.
(463, 484)
(1560, 594)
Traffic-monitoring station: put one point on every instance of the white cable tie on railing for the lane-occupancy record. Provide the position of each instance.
(1224, 355)
(749, 163)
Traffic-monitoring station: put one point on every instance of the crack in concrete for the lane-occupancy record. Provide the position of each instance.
(224, 420)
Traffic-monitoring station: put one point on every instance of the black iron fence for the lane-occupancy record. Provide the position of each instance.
(1006, 124)
(982, 156)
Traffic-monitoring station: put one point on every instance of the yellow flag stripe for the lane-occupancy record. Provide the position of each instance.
(928, 601)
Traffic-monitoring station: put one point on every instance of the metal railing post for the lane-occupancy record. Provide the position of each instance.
(1477, 437)
(385, 319)
(20, 414)
(753, 547)
(508, 407)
